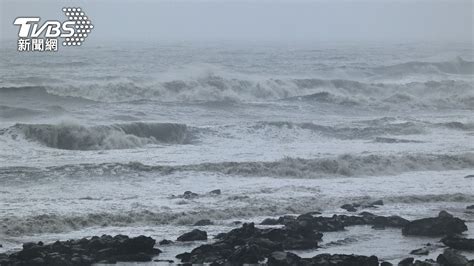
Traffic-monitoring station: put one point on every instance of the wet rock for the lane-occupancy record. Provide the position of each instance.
(349, 207)
(282, 220)
(444, 224)
(451, 258)
(377, 202)
(339, 259)
(269, 221)
(280, 258)
(445, 214)
(215, 192)
(165, 242)
(85, 251)
(167, 261)
(420, 251)
(406, 262)
(203, 222)
(186, 256)
(469, 176)
(189, 195)
(385, 263)
(338, 222)
(249, 244)
(470, 207)
(459, 243)
(194, 235)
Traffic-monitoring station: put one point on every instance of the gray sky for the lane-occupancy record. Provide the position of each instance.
(273, 21)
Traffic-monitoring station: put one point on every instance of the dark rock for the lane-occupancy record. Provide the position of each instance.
(36, 261)
(445, 214)
(167, 261)
(338, 222)
(377, 202)
(406, 262)
(203, 222)
(385, 263)
(339, 259)
(250, 253)
(220, 236)
(185, 257)
(349, 207)
(427, 262)
(84, 251)
(269, 221)
(139, 257)
(189, 195)
(215, 192)
(470, 207)
(165, 242)
(451, 258)
(249, 244)
(444, 224)
(469, 176)
(420, 251)
(367, 214)
(194, 235)
(459, 243)
(280, 258)
(282, 220)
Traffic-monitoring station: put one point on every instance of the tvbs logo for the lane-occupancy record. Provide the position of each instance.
(34, 36)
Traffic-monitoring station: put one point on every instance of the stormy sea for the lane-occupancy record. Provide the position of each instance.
(150, 140)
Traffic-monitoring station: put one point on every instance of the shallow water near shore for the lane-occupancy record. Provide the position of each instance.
(110, 150)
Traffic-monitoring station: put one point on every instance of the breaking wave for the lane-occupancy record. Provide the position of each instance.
(253, 207)
(14, 112)
(217, 88)
(345, 132)
(345, 165)
(342, 166)
(458, 66)
(117, 136)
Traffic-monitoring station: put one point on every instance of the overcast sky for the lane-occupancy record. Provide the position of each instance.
(273, 21)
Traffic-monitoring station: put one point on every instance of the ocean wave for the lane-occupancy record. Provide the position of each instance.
(14, 112)
(457, 125)
(39, 93)
(394, 140)
(341, 166)
(252, 207)
(458, 66)
(345, 165)
(221, 88)
(346, 132)
(444, 94)
(116, 136)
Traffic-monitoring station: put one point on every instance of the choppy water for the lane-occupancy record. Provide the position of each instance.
(96, 139)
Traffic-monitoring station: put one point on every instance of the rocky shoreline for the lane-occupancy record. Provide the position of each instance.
(250, 244)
